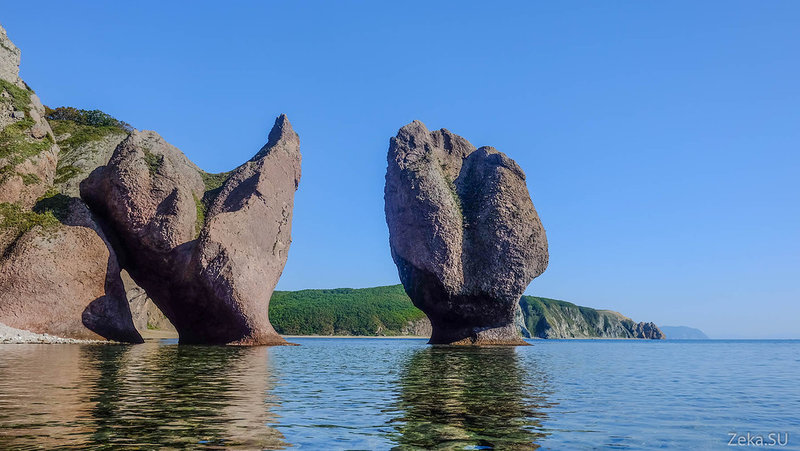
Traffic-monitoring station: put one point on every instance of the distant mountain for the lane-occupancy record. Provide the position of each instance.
(683, 333)
(388, 311)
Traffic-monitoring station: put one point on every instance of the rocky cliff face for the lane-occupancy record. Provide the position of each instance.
(58, 274)
(549, 318)
(28, 152)
(207, 248)
(464, 234)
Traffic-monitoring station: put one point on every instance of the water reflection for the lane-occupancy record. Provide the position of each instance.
(136, 396)
(43, 397)
(456, 398)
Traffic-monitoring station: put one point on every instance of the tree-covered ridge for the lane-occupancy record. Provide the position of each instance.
(343, 311)
(388, 311)
(91, 118)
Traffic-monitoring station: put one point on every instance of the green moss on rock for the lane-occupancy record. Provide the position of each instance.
(16, 221)
(20, 98)
(16, 145)
(153, 161)
(214, 181)
(78, 134)
(66, 173)
(30, 179)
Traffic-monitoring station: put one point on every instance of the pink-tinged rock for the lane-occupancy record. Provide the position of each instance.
(463, 233)
(209, 258)
(63, 280)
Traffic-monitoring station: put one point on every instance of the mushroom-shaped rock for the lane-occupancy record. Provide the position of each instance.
(463, 233)
(207, 248)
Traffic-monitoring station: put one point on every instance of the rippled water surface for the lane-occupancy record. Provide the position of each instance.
(400, 393)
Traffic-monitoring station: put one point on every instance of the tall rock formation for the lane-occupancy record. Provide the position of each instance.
(207, 248)
(58, 274)
(463, 233)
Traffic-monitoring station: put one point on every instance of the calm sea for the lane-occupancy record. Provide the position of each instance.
(401, 393)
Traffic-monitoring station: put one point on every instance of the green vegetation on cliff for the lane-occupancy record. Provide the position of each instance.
(343, 311)
(75, 135)
(551, 318)
(213, 185)
(74, 130)
(89, 118)
(49, 211)
(20, 98)
(388, 311)
(16, 143)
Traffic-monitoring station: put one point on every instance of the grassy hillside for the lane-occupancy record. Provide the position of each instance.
(551, 318)
(343, 311)
(388, 311)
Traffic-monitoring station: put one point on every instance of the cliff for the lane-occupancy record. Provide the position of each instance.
(551, 318)
(58, 272)
(387, 311)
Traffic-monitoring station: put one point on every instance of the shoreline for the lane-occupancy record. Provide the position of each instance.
(13, 336)
(404, 337)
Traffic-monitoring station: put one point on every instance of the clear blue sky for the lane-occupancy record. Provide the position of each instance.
(660, 139)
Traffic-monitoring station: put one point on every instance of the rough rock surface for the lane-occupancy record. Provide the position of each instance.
(208, 256)
(649, 331)
(9, 59)
(146, 314)
(75, 164)
(28, 151)
(64, 280)
(58, 275)
(463, 233)
(551, 318)
(419, 328)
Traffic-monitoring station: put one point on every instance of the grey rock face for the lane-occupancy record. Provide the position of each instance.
(209, 258)
(28, 151)
(648, 331)
(463, 232)
(78, 163)
(9, 59)
(146, 315)
(550, 318)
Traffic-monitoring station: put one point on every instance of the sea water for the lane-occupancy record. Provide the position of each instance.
(372, 393)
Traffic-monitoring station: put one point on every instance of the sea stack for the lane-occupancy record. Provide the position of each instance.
(463, 233)
(207, 248)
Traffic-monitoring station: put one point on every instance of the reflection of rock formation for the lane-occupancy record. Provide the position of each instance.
(148, 396)
(463, 233)
(459, 397)
(39, 383)
(185, 396)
